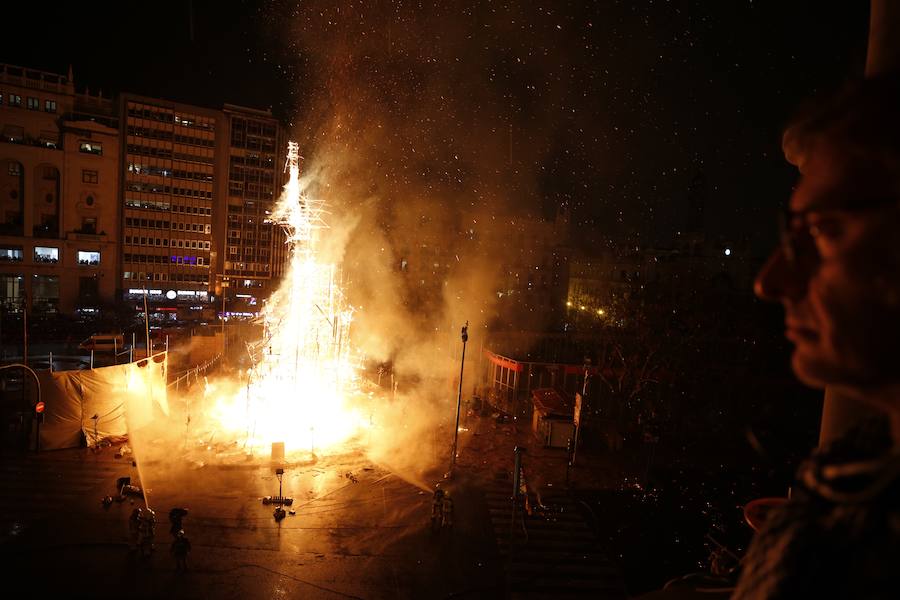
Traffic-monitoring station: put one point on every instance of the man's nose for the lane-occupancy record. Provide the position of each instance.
(780, 279)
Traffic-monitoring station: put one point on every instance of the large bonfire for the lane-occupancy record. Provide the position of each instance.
(302, 378)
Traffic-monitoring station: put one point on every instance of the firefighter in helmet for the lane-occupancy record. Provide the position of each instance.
(447, 511)
(181, 546)
(437, 507)
(147, 532)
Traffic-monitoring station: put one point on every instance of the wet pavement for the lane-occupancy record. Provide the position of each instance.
(359, 530)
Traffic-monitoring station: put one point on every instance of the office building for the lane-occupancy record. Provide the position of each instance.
(168, 200)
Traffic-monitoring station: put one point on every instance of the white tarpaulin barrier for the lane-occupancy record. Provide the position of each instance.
(101, 403)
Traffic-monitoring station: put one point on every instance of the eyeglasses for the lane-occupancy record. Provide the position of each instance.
(798, 235)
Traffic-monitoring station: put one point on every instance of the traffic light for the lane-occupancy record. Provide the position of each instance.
(39, 412)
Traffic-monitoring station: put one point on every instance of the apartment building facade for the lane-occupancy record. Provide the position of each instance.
(251, 251)
(59, 226)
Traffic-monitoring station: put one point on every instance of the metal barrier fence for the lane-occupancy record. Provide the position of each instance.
(192, 376)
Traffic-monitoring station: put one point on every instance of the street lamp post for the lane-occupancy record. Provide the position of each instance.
(25, 329)
(224, 285)
(462, 364)
(38, 405)
(146, 328)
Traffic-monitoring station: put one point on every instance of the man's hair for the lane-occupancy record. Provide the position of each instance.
(862, 121)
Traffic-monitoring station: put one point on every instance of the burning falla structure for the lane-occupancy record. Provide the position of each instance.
(302, 379)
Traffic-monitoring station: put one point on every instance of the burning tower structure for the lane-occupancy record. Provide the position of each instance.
(302, 373)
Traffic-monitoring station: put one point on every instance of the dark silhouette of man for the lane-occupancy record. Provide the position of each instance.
(837, 275)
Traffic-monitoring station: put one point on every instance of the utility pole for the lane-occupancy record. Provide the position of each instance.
(146, 324)
(584, 393)
(224, 285)
(462, 364)
(25, 330)
(516, 500)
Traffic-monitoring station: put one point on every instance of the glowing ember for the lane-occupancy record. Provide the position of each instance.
(298, 389)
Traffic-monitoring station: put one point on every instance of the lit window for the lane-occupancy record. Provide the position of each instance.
(50, 106)
(11, 254)
(88, 176)
(44, 254)
(88, 257)
(91, 148)
(33, 103)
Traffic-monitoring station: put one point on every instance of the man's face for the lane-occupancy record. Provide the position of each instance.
(841, 287)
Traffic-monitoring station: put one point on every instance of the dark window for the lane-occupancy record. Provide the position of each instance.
(33, 103)
(88, 290)
(88, 176)
(14, 133)
(50, 106)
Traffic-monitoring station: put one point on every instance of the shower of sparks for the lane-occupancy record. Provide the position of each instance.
(302, 377)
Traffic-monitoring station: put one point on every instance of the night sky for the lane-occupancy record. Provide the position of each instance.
(614, 107)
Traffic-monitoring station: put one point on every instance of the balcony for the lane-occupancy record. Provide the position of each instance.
(45, 231)
(86, 236)
(12, 226)
(12, 135)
